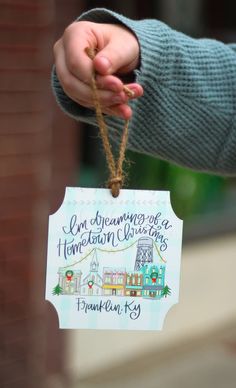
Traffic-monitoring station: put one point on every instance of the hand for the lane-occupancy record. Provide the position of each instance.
(118, 55)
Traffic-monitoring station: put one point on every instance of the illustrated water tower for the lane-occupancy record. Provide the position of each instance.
(144, 252)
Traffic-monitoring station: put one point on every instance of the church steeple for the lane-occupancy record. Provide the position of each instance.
(94, 263)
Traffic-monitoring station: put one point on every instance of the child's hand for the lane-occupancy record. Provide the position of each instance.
(118, 54)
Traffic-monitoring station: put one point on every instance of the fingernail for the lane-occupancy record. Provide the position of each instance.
(114, 87)
(105, 62)
(117, 100)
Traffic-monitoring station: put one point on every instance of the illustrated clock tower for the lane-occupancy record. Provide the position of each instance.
(144, 253)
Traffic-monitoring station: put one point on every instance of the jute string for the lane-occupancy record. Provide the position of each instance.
(116, 178)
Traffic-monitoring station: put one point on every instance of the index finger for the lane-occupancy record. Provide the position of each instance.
(77, 37)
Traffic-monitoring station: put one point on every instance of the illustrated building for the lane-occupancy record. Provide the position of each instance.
(114, 281)
(144, 253)
(134, 284)
(92, 283)
(69, 281)
(147, 280)
(153, 281)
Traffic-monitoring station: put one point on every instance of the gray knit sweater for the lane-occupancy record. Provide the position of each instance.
(188, 112)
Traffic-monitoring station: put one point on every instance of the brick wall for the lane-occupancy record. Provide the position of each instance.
(38, 158)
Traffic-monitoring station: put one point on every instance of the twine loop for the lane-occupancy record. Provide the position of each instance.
(116, 178)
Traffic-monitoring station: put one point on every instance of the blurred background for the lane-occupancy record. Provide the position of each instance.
(41, 152)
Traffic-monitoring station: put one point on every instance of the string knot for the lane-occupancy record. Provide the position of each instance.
(115, 185)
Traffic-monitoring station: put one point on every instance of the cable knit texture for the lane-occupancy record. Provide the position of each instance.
(188, 112)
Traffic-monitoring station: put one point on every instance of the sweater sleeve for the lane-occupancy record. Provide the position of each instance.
(188, 112)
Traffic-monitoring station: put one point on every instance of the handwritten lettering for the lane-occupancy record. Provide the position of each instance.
(100, 230)
(131, 309)
(75, 227)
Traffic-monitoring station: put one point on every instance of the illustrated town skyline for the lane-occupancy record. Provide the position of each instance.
(147, 280)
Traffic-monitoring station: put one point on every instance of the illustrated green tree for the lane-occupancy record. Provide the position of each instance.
(57, 290)
(166, 291)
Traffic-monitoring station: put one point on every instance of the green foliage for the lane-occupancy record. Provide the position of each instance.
(57, 290)
(166, 291)
(192, 193)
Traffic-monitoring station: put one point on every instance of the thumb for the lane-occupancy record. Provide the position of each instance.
(116, 57)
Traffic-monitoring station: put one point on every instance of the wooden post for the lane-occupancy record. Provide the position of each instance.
(38, 158)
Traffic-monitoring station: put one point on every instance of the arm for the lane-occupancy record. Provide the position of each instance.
(187, 113)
